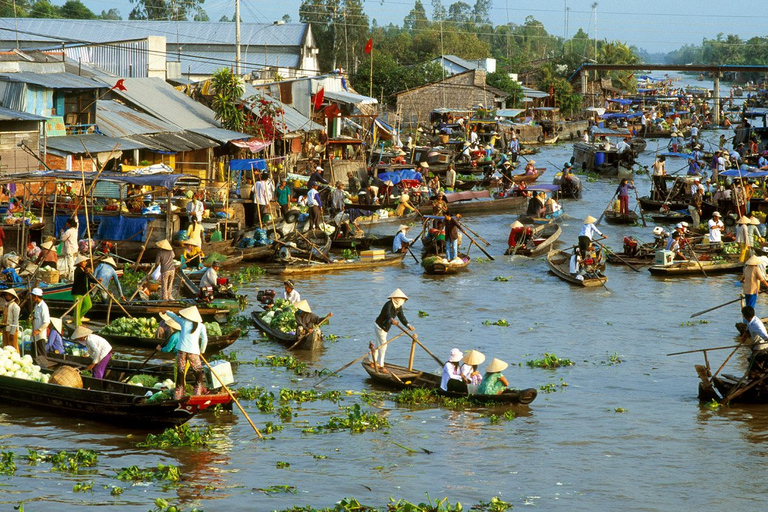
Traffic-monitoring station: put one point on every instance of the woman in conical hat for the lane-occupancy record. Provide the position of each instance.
(587, 233)
(471, 360)
(494, 382)
(391, 312)
(193, 340)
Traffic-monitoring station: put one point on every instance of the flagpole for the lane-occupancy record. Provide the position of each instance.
(370, 78)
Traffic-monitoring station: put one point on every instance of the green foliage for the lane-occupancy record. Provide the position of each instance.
(502, 279)
(181, 435)
(549, 361)
(356, 421)
(401, 505)
(228, 90)
(502, 81)
(7, 465)
(423, 314)
(287, 362)
(168, 473)
(71, 462)
(282, 465)
(612, 360)
(82, 487)
(502, 322)
(168, 10)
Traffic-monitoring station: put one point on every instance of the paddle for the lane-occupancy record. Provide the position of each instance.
(640, 206)
(697, 260)
(313, 246)
(474, 233)
(718, 307)
(352, 362)
(473, 240)
(702, 350)
(619, 257)
(232, 396)
(301, 338)
(415, 338)
(98, 283)
(606, 207)
(129, 377)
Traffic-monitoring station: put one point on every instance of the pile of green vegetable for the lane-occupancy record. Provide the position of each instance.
(282, 316)
(213, 328)
(429, 261)
(135, 327)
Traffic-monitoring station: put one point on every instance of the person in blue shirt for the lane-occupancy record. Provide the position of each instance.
(55, 344)
(193, 340)
(168, 331)
(401, 242)
(106, 273)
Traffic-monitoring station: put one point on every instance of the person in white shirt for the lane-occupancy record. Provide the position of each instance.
(195, 208)
(211, 276)
(315, 207)
(69, 247)
(716, 227)
(473, 137)
(622, 147)
(575, 265)
(755, 329)
(99, 349)
(587, 234)
(450, 177)
(290, 294)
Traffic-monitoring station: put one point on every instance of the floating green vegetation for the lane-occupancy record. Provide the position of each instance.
(353, 505)
(285, 413)
(282, 465)
(83, 487)
(7, 465)
(169, 473)
(356, 420)
(552, 387)
(423, 314)
(71, 462)
(250, 393)
(691, 323)
(502, 278)
(501, 322)
(713, 404)
(331, 337)
(287, 362)
(422, 396)
(115, 490)
(246, 275)
(162, 505)
(482, 260)
(612, 360)
(619, 410)
(181, 435)
(309, 395)
(549, 361)
(271, 428)
(274, 489)
(508, 416)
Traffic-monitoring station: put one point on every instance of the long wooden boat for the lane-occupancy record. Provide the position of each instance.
(312, 341)
(363, 243)
(208, 248)
(479, 201)
(117, 369)
(691, 267)
(614, 217)
(388, 221)
(106, 400)
(315, 267)
(529, 178)
(263, 253)
(752, 389)
(436, 265)
(559, 264)
(209, 310)
(400, 377)
(541, 243)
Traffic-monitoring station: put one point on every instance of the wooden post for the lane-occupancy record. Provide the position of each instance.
(410, 357)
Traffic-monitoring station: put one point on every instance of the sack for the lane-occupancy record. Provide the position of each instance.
(156, 274)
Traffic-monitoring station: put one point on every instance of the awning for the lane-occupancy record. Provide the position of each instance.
(621, 101)
(738, 173)
(254, 145)
(509, 112)
(607, 132)
(388, 131)
(81, 144)
(246, 164)
(221, 135)
(167, 181)
(350, 98)
(543, 187)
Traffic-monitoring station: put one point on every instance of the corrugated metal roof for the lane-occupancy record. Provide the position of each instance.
(7, 114)
(116, 120)
(198, 61)
(161, 100)
(175, 142)
(350, 98)
(73, 144)
(53, 80)
(188, 32)
(533, 93)
(294, 120)
(221, 134)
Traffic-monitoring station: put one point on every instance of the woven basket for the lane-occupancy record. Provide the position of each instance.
(67, 376)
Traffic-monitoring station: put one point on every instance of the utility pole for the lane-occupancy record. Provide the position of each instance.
(237, 38)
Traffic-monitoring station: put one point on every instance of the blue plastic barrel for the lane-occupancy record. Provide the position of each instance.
(599, 159)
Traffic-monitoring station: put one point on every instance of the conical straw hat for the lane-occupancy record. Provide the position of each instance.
(398, 294)
(496, 365)
(590, 219)
(303, 305)
(191, 313)
(474, 357)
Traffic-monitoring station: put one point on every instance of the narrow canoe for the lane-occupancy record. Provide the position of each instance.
(691, 267)
(313, 341)
(216, 308)
(304, 267)
(559, 264)
(263, 253)
(479, 202)
(542, 242)
(436, 266)
(400, 377)
(614, 217)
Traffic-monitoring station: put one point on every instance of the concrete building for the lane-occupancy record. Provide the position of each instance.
(169, 49)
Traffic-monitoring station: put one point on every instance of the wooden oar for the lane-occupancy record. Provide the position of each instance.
(478, 245)
(301, 338)
(313, 246)
(78, 301)
(717, 307)
(98, 283)
(416, 339)
(690, 247)
(606, 208)
(129, 377)
(352, 362)
(640, 206)
(143, 248)
(232, 396)
(619, 258)
(703, 350)
(476, 235)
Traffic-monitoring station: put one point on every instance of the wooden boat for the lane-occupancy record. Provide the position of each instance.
(209, 310)
(388, 221)
(614, 217)
(478, 201)
(691, 267)
(314, 267)
(263, 253)
(541, 243)
(106, 400)
(529, 178)
(305, 245)
(595, 158)
(400, 377)
(362, 243)
(559, 264)
(542, 221)
(208, 248)
(312, 341)
(436, 265)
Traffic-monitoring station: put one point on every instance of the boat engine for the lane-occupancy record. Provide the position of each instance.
(630, 245)
(266, 297)
(206, 294)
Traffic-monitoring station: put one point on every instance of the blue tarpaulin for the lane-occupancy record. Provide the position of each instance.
(164, 180)
(397, 176)
(122, 228)
(81, 227)
(735, 173)
(246, 164)
(622, 101)
(621, 115)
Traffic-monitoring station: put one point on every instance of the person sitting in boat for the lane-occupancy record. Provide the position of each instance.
(290, 294)
(54, 344)
(622, 147)
(676, 246)
(755, 330)
(716, 228)
(192, 256)
(535, 205)
(591, 260)
(390, 313)
(106, 273)
(33, 251)
(434, 241)
(99, 349)
(211, 277)
(519, 234)
(306, 321)
(659, 237)
(452, 376)
(48, 256)
(530, 168)
(193, 341)
(471, 361)
(404, 206)
(401, 243)
(576, 266)
(494, 382)
(552, 206)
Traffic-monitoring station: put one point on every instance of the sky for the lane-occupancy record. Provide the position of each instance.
(655, 25)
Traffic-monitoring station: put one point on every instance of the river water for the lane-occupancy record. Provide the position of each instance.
(628, 435)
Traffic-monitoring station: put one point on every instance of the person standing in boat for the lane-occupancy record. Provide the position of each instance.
(315, 207)
(391, 312)
(439, 204)
(742, 238)
(659, 181)
(450, 177)
(106, 273)
(451, 236)
(99, 349)
(11, 319)
(716, 228)
(587, 233)
(193, 340)
(290, 294)
(41, 318)
(69, 247)
(195, 208)
(494, 383)
(283, 196)
(514, 148)
(751, 280)
(195, 232)
(81, 289)
(452, 375)
(164, 260)
(48, 256)
(401, 243)
(623, 191)
(337, 199)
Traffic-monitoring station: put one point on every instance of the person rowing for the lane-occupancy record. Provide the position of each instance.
(306, 320)
(390, 313)
(587, 233)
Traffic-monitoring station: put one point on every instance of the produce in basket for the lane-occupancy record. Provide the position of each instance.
(134, 327)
